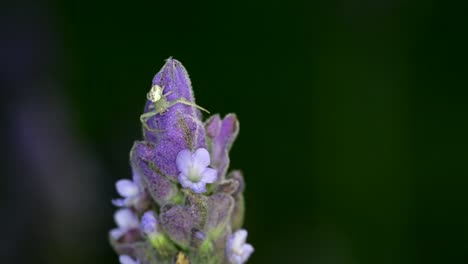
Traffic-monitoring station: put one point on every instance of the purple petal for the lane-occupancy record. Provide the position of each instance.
(199, 187)
(124, 259)
(116, 233)
(209, 175)
(149, 222)
(201, 158)
(125, 218)
(236, 249)
(118, 202)
(239, 237)
(184, 181)
(184, 161)
(247, 251)
(126, 188)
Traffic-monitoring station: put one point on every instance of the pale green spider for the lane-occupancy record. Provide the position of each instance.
(160, 104)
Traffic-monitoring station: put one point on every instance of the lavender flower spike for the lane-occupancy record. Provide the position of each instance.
(194, 171)
(183, 205)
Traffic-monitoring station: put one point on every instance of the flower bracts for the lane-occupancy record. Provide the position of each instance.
(181, 206)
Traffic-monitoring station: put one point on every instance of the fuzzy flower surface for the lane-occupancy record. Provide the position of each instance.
(237, 251)
(194, 171)
(183, 203)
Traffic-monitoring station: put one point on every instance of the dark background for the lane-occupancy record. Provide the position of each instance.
(353, 114)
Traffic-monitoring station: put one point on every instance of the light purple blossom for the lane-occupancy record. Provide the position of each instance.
(237, 251)
(149, 223)
(130, 192)
(124, 259)
(194, 171)
(125, 220)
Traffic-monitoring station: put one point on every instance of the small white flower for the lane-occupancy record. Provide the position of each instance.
(194, 171)
(237, 251)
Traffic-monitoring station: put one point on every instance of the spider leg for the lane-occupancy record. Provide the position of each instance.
(185, 102)
(145, 117)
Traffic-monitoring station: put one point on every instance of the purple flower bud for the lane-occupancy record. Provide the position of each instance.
(222, 134)
(179, 126)
(237, 251)
(127, 189)
(177, 222)
(126, 218)
(149, 223)
(220, 206)
(198, 237)
(158, 185)
(194, 172)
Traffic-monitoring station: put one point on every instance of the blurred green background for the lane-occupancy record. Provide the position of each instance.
(353, 113)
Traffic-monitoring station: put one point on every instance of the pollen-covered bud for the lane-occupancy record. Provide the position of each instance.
(220, 206)
(161, 189)
(177, 223)
(177, 119)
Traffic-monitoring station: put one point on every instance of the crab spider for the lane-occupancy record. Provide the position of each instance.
(160, 104)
